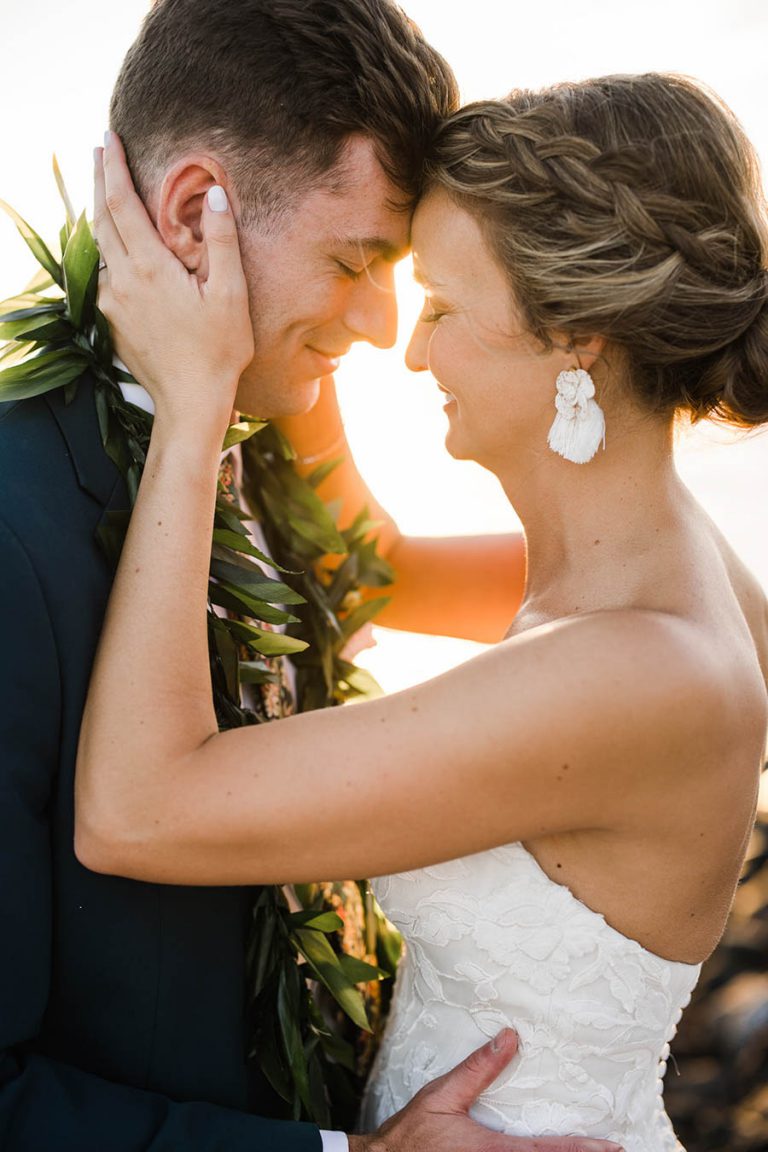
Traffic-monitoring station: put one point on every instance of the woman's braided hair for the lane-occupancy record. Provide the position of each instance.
(629, 207)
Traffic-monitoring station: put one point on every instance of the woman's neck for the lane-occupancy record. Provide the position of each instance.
(586, 525)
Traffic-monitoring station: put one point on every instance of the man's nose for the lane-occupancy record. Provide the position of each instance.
(372, 315)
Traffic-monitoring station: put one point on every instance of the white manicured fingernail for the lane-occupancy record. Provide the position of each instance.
(107, 138)
(217, 199)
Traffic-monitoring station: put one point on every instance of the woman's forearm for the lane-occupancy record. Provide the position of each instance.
(152, 672)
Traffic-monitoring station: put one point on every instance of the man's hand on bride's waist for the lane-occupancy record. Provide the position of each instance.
(437, 1119)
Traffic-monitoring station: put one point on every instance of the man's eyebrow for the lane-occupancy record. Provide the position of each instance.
(372, 245)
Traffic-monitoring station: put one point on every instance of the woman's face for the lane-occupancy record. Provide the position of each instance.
(499, 385)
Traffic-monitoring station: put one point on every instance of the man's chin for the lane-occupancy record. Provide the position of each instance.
(278, 399)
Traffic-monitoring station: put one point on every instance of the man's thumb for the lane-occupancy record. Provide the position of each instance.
(460, 1088)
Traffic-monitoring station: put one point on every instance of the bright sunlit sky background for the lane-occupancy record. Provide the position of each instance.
(60, 58)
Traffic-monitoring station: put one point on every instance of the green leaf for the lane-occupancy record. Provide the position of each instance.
(237, 601)
(243, 430)
(322, 472)
(80, 264)
(389, 944)
(254, 672)
(364, 683)
(361, 530)
(319, 1091)
(230, 556)
(229, 522)
(325, 964)
(288, 1012)
(51, 308)
(340, 1051)
(241, 543)
(231, 512)
(64, 235)
(38, 248)
(227, 652)
(54, 370)
(355, 620)
(63, 193)
(42, 326)
(269, 1051)
(267, 643)
(321, 921)
(15, 351)
(282, 443)
(103, 343)
(255, 582)
(324, 537)
(358, 971)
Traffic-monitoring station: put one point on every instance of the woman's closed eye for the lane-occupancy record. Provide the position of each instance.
(432, 311)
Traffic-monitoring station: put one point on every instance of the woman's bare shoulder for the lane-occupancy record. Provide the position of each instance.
(633, 665)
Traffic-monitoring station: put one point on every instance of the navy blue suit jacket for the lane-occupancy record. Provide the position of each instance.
(122, 1004)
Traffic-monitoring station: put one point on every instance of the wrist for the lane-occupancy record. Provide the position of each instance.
(368, 1143)
(199, 433)
(185, 446)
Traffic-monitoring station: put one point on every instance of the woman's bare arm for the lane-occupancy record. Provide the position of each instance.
(547, 732)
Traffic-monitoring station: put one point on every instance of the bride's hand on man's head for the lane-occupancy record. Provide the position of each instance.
(185, 339)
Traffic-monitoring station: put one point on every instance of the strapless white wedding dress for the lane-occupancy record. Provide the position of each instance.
(492, 941)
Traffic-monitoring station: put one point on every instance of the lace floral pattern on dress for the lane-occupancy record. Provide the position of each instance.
(493, 942)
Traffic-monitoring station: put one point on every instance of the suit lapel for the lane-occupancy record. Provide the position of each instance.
(79, 425)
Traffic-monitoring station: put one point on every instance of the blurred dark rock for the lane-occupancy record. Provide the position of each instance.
(719, 1100)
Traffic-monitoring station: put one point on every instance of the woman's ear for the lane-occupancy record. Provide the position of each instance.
(180, 205)
(587, 351)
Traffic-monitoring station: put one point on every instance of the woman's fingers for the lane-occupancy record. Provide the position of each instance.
(225, 289)
(124, 207)
(107, 236)
(225, 268)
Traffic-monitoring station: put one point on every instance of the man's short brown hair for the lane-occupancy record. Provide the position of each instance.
(275, 87)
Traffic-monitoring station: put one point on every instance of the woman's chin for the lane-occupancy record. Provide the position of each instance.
(456, 444)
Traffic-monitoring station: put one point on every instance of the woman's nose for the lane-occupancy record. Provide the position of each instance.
(416, 357)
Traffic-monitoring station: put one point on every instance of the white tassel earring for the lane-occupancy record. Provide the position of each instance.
(579, 427)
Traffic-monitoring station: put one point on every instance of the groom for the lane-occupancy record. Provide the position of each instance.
(122, 1005)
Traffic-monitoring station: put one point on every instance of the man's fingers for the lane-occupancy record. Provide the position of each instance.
(124, 205)
(225, 268)
(459, 1088)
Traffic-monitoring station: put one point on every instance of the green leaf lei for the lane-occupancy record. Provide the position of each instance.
(306, 1008)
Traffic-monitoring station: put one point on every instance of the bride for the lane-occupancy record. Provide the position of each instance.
(562, 820)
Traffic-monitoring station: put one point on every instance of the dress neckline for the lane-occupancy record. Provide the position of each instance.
(684, 964)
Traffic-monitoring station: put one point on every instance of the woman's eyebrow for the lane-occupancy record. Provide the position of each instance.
(421, 277)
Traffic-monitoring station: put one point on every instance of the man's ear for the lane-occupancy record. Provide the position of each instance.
(180, 205)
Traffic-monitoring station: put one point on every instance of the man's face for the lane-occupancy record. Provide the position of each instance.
(320, 282)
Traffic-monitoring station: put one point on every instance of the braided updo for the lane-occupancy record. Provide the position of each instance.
(629, 207)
